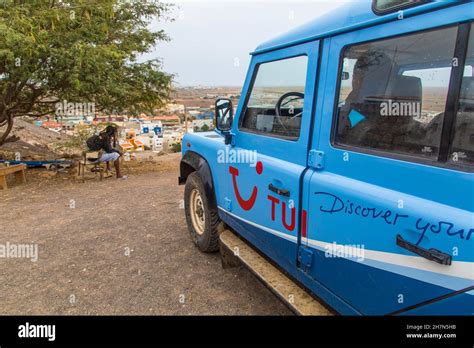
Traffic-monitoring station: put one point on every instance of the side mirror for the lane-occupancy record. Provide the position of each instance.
(224, 114)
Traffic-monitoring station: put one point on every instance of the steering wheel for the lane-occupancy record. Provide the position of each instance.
(280, 104)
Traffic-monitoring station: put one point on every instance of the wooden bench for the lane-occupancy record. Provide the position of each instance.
(18, 170)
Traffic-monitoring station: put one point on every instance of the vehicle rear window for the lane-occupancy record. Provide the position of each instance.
(393, 93)
(275, 104)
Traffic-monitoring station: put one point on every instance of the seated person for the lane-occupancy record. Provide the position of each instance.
(370, 75)
(106, 142)
(375, 84)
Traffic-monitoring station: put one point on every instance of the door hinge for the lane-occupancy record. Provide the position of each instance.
(305, 257)
(316, 159)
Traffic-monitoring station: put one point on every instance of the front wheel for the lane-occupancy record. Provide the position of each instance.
(202, 219)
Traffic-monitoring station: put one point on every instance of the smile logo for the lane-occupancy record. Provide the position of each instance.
(245, 204)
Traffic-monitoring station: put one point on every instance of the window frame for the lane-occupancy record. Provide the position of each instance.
(454, 93)
(249, 93)
(396, 8)
(461, 46)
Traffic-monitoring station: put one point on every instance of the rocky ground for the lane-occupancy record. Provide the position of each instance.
(36, 143)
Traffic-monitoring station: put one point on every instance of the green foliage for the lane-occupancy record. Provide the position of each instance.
(176, 147)
(78, 141)
(82, 51)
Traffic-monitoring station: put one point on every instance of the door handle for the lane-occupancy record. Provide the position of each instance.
(430, 254)
(278, 191)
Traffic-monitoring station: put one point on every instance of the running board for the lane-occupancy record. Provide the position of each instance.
(235, 251)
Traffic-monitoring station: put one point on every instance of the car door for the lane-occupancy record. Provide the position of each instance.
(268, 154)
(391, 205)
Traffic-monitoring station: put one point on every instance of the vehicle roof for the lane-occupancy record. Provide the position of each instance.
(347, 17)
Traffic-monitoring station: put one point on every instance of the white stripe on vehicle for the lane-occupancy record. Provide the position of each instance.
(406, 265)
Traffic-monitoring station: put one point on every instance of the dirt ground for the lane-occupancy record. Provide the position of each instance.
(116, 247)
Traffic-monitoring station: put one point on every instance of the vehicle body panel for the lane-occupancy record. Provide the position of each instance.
(365, 204)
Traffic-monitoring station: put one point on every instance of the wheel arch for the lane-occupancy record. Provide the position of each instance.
(194, 162)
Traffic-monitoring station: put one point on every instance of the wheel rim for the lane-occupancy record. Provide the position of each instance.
(198, 216)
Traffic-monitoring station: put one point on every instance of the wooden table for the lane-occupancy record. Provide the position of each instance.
(18, 170)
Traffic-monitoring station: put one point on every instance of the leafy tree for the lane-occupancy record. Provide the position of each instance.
(81, 51)
(204, 128)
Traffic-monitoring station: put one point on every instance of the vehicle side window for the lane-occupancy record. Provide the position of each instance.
(275, 104)
(393, 93)
(462, 147)
(386, 6)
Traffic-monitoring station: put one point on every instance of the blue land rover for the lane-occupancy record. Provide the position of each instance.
(349, 160)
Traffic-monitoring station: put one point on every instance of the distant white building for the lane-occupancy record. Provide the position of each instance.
(172, 137)
(155, 127)
(198, 124)
(194, 113)
(175, 108)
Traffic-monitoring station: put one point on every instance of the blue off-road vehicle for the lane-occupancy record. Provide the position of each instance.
(348, 164)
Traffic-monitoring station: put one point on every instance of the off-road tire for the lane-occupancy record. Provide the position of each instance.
(208, 240)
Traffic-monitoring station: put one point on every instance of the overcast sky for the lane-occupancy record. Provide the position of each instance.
(212, 39)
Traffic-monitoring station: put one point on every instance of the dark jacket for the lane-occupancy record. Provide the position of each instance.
(105, 142)
(101, 142)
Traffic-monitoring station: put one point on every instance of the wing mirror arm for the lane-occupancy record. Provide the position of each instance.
(228, 138)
